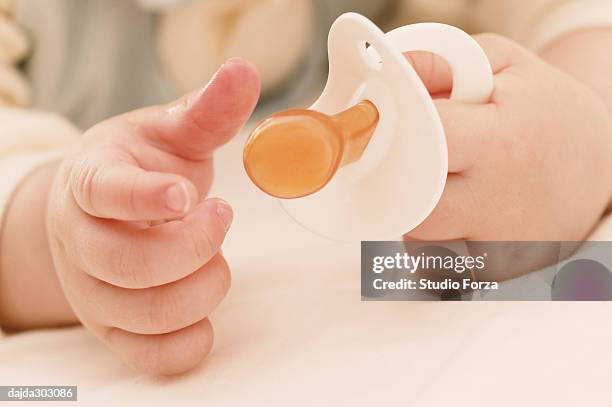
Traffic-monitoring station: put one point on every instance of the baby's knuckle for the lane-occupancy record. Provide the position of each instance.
(130, 194)
(83, 178)
(500, 41)
(130, 266)
(164, 313)
(200, 243)
(224, 276)
(494, 38)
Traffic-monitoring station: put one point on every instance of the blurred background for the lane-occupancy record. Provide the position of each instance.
(91, 59)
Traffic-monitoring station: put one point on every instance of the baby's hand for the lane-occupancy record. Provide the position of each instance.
(533, 164)
(143, 286)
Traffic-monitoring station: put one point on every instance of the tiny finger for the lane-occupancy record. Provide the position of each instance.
(161, 309)
(125, 192)
(163, 354)
(130, 257)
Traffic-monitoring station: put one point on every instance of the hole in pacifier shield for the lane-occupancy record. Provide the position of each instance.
(368, 52)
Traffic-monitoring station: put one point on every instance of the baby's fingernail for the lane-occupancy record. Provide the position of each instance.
(177, 198)
(225, 212)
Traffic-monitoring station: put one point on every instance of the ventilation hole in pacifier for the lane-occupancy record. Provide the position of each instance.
(371, 56)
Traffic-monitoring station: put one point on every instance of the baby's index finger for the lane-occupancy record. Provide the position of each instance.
(126, 192)
(193, 126)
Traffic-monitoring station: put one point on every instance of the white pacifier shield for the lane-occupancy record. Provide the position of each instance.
(401, 176)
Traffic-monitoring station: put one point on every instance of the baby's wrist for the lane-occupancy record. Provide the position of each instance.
(26, 257)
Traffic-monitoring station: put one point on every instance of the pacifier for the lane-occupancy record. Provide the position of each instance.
(368, 160)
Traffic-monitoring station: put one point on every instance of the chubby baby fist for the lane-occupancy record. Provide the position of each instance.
(135, 244)
(532, 164)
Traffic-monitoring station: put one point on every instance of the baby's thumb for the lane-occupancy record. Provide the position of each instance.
(195, 125)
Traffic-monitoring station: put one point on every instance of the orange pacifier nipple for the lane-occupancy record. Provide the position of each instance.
(295, 153)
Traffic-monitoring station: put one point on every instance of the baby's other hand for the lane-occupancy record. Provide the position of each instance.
(143, 286)
(533, 164)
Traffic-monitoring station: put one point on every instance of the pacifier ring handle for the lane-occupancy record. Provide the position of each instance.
(472, 73)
